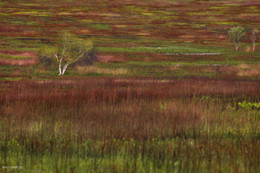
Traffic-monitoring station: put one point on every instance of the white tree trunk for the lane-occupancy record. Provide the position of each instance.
(237, 46)
(64, 68)
(253, 45)
(60, 72)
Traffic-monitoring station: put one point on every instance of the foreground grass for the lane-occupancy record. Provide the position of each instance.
(129, 125)
(171, 155)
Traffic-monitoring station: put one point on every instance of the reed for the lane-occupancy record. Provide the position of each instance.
(129, 125)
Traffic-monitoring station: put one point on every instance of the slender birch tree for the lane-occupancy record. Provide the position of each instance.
(69, 49)
(254, 35)
(235, 35)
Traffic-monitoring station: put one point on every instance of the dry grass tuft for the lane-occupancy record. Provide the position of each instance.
(94, 69)
(248, 70)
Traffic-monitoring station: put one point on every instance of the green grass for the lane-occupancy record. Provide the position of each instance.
(10, 78)
(170, 49)
(5, 56)
(137, 156)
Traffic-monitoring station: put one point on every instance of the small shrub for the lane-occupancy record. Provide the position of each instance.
(235, 35)
(248, 105)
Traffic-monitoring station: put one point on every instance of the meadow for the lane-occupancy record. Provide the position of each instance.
(130, 125)
(167, 92)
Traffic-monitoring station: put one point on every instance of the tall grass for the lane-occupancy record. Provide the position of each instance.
(129, 125)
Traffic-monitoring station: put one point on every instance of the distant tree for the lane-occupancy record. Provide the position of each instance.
(68, 50)
(235, 35)
(254, 35)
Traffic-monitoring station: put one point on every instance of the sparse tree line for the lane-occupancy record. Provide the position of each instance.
(238, 32)
(70, 49)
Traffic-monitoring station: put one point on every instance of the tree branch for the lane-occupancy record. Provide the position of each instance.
(76, 59)
(56, 57)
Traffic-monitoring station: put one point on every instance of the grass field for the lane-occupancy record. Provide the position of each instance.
(168, 92)
(130, 125)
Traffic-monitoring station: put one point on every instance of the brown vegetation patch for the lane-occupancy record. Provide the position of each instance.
(246, 70)
(111, 58)
(23, 62)
(19, 53)
(126, 89)
(82, 31)
(121, 108)
(242, 70)
(249, 49)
